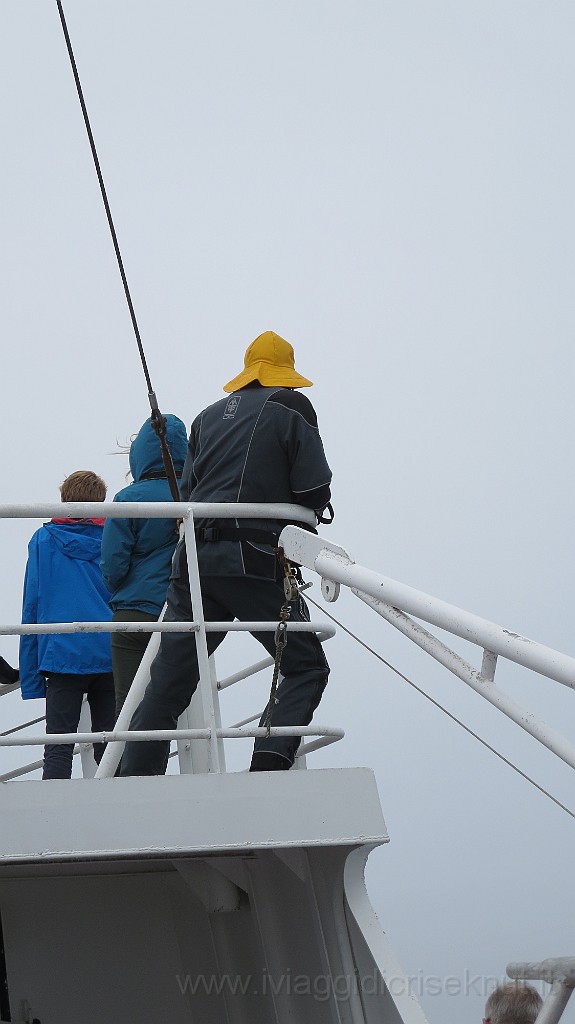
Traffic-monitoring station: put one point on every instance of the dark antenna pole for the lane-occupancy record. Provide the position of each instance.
(158, 421)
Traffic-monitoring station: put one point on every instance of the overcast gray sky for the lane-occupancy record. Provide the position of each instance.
(388, 185)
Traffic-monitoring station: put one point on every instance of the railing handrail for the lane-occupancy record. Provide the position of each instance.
(158, 510)
(333, 563)
(144, 735)
(27, 628)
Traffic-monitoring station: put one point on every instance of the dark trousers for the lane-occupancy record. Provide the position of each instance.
(127, 652)
(64, 695)
(174, 672)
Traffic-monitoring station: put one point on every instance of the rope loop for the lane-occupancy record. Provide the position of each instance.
(280, 638)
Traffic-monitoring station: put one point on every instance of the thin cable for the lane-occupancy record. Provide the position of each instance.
(18, 728)
(105, 200)
(441, 708)
(158, 421)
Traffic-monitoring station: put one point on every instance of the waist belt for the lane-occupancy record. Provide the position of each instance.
(155, 474)
(214, 534)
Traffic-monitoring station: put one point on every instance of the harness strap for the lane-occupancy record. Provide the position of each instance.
(326, 520)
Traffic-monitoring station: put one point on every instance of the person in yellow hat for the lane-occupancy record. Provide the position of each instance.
(261, 444)
(269, 360)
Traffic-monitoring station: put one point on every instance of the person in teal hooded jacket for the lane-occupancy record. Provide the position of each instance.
(137, 553)
(63, 583)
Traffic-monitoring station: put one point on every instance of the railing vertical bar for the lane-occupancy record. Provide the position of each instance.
(554, 1005)
(205, 682)
(488, 666)
(86, 749)
(184, 746)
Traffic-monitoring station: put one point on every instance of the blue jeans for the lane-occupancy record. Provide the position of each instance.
(64, 695)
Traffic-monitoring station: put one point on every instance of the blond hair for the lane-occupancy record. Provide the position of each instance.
(513, 1003)
(83, 486)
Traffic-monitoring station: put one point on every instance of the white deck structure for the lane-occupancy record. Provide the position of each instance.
(216, 897)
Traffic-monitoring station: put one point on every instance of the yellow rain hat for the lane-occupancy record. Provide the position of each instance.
(269, 360)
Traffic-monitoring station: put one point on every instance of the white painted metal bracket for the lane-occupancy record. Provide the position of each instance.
(396, 602)
(560, 973)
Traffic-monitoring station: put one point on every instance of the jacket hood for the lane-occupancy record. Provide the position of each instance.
(77, 540)
(145, 451)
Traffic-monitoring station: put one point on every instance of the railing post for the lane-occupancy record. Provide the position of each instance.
(557, 971)
(488, 665)
(556, 1002)
(217, 711)
(89, 765)
(207, 690)
(185, 745)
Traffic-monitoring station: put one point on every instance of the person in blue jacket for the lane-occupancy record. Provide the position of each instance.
(63, 583)
(137, 553)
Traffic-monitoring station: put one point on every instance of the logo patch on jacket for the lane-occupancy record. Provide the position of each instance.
(232, 407)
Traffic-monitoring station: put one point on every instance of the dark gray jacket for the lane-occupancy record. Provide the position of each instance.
(257, 445)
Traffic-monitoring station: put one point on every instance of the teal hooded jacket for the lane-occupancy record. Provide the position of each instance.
(137, 553)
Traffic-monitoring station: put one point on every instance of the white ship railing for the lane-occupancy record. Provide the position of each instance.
(394, 601)
(207, 727)
(397, 602)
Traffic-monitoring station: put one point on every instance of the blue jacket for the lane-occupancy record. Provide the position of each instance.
(63, 583)
(137, 553)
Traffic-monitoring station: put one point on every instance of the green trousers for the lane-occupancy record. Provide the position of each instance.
(127, 652)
